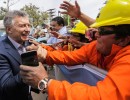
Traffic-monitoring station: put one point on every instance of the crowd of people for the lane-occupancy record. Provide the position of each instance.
(100, 46)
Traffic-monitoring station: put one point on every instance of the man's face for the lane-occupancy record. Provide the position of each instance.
(55, 26)
(105, 41)
(20, 29)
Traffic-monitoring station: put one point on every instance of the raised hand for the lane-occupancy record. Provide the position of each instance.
(72, 10)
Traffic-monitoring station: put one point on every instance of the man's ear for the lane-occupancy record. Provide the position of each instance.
(8, 29)
(124, 41)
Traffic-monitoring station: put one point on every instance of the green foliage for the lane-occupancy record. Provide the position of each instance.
(8, 4)
(2, 13)
(38, 17)
(66, 19)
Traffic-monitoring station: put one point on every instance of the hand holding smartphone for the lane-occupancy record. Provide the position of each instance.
(30, 58)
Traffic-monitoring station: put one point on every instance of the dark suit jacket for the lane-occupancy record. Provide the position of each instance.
(11, 85)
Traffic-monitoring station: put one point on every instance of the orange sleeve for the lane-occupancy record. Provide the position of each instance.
(114, 87)
(49, 48)
(71, 57)
(65, 91)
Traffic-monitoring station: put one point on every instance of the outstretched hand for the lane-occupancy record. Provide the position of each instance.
(75, 43)
(56, 34)
(41, 52)
(72, 10)
(34, 42)
(31, 47)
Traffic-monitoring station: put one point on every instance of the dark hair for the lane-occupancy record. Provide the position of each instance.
(121, 31)
(59, 20)
(83, 38)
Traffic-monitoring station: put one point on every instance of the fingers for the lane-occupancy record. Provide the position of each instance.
(41, 65)
(76, 4)
(32, 75)
(26, 68)
(67, 3)
(33, 41)
(31, 47)
(56, 34)
(41, 53)
(64, 12)
(28, 80)
(28, 71)
(24, 74)
(66, 6)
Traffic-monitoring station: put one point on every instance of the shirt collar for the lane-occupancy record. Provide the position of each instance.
(16, 45)
(63, 30)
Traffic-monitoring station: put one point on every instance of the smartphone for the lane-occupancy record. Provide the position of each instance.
(30, 58)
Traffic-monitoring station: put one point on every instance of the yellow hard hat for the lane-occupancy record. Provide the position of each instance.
(79, 28)
(115, 12)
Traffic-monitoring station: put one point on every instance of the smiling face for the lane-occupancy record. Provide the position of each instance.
(55, 26)
(19, 30)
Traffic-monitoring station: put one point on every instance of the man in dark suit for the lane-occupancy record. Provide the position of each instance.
(17, 28)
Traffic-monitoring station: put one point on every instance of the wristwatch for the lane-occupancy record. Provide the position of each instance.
(42, 85)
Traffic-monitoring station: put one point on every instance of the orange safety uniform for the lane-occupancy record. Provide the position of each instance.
(114, 87)
(49, 48)
(68, 47)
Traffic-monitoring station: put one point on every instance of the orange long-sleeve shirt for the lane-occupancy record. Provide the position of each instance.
(114, 87)
(64, 48)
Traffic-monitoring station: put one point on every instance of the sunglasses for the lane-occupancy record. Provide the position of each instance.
(103, 31)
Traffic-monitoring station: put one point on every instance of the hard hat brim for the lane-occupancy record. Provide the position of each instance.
(115, 21)
(79, 31)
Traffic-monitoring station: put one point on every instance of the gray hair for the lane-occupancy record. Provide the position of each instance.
(8, 19)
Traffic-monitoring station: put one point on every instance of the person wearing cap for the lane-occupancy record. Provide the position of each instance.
(111, 52)
(78, 35)
(74, 41)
